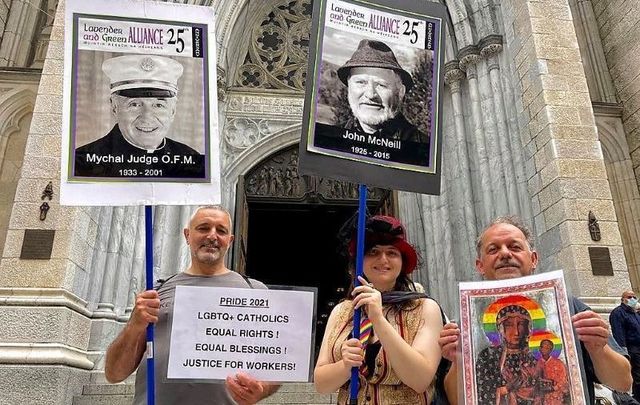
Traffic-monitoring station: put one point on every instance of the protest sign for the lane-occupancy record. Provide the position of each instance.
(217, 332)
(373, 108)
(140, 110)
(517, 341)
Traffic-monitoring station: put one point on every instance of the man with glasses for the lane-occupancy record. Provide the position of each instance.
(625, 325)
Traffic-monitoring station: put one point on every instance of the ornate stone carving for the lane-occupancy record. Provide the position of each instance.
(221, 83)
(241, 133)
(468, 56)
(279, 45)
(278, 178)
(490, 45)
(453, 75)
(282, 107)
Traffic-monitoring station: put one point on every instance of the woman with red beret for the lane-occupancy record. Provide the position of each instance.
(398, 353)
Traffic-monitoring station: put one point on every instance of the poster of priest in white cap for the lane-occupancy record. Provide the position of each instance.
(143, 102)
(375, 97)
(140, 96)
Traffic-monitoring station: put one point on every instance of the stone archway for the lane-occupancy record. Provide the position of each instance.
(16, 108)
(277, 178)
(624, 192)
(287, 228)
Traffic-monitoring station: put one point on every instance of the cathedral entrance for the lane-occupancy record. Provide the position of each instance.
(287, 229)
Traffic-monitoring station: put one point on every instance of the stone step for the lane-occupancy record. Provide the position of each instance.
(299, 393)
(297, 387)
(103, 400)
(97, 377)
(300, 398)
(109, 389)
(122, 393)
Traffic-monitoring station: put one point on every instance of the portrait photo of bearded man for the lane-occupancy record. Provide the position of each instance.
(376, 89)
(375, 100)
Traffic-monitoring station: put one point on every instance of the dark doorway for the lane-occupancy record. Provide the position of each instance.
(297, 244)
(286, 228)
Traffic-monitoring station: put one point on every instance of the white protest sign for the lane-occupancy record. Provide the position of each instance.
(217, 332)
(140, 116)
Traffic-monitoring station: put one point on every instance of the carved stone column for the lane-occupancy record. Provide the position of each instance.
(15, 39)
(4, 14)
(130, 284)
(221, 78)
(507, 161)
(453, 77)
(43, 39)
(105, 305)
(481, 175)
(601, 86)
(98, 259)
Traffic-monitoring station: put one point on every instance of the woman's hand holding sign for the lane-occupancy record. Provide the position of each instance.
(368, 297)
(352, 355)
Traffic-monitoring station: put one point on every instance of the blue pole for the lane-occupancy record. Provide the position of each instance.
(148, 242)
(362, 210)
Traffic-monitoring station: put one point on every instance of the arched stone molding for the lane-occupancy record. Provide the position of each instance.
(14, 104)
(463, 27)
(624, 191)
(16, 107)
(485, 11)
(228, 15)
(473, 20)
(244, 161)
(611, 135)
(234, 18)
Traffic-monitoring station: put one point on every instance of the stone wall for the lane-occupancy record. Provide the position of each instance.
(17, 99)
(619, 24)
(565, 165)
(46, 326)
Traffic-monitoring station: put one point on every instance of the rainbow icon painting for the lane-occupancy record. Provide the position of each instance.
(516, 337)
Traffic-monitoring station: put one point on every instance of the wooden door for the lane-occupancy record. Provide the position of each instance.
(240, 229)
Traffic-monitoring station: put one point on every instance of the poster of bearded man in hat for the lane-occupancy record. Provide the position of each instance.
(375, 98)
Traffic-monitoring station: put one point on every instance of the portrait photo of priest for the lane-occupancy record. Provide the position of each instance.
(145, 134)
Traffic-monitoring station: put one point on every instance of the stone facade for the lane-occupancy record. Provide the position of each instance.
(559, 134)
(520, 136)
(619, 22)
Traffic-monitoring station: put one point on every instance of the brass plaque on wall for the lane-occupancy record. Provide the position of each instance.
(600, 261)
(37, 244)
